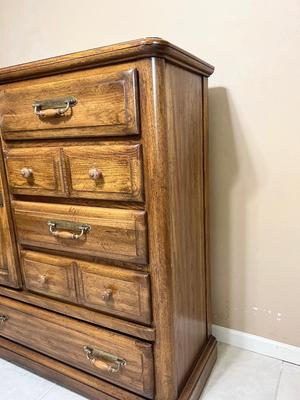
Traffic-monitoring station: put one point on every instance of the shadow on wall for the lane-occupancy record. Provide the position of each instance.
(232, 182)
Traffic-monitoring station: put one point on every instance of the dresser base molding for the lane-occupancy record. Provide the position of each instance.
(201, 372)
(94, 388)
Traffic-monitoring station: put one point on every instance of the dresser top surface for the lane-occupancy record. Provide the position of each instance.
(121, 52)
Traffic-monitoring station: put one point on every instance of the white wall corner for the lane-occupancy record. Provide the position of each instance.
(258, 344)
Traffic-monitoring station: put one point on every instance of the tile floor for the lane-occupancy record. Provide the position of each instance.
(238, 375)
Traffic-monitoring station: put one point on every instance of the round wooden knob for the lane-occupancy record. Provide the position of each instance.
(43, 279)
(94, 173)
(26, 172)
(107, 295)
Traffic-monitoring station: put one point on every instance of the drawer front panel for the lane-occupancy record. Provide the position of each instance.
(105, 105)
(115, 291)
(35, 171)
(106, 172)
(49, 275)
(112, 172)
(111, 356)
(113, 233)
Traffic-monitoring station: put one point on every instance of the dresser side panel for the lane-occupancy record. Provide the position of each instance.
(184, 108)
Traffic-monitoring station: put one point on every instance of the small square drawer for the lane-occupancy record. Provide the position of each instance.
(80, 104)
(49, 275)
(122, 360)
(112, 172)
(35, 171)
(114, 290)
(106, 233)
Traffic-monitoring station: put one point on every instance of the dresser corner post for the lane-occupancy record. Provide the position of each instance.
(152, 86)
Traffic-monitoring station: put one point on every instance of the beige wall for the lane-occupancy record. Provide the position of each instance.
(255, 129)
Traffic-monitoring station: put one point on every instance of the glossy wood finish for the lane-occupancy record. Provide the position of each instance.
(49, 275)
(77, 380)
(64, 339)
(114, 290)
(185, 168)
(106, 105)
(109, 172)
(96, 318)
(44, 168)
(115, 234)
(142, 271)
(9, 273)
(105, 172)
(122, 52)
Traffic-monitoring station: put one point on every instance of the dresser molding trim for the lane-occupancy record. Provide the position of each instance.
(121, 52)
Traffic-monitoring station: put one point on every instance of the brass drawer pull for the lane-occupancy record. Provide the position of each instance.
(53, 107)
(104, 361)
(3, 318)
(67, 228)
(26, 172)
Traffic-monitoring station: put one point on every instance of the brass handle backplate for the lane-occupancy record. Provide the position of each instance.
(105, 361)
(65, 229)
(53, 107)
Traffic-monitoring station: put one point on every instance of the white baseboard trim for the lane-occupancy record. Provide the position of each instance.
(258, 344)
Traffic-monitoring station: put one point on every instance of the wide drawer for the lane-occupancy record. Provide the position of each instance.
(110, 289)
(106, 171)
(125, 361)
(107, 233)
(77, 105)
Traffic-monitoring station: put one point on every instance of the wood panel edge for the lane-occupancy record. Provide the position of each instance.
(201, 371)
(107, 55)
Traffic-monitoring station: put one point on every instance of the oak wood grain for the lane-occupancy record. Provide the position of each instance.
(117, 171)
(64, 339)
(115, 233)
(107, 104)
(77, 380)
(9, 266)
(72, 310)
(186, 207)
(49, 275)
(45, 166)
(114, 290)
(117, 53)
(67, 171)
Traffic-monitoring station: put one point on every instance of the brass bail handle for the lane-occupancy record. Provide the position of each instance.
(53, 107)
(105, 361)
(63, 229)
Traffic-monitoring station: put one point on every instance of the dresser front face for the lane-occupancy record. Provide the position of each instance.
(91, 168)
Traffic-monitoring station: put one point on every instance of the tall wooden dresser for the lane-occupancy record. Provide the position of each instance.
(104, 270)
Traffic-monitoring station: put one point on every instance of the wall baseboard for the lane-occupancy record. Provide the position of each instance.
(258, 344)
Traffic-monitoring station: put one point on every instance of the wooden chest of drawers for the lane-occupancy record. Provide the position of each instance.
(104, 267)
